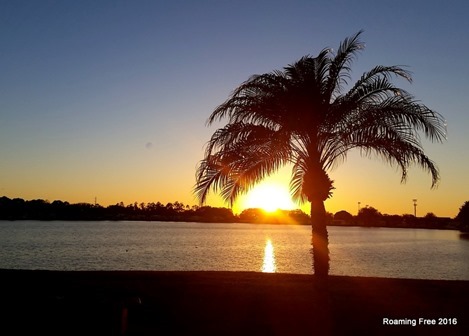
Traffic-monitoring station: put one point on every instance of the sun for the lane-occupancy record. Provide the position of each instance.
(269, 197)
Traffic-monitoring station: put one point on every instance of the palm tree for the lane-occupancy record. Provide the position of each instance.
(303, 116)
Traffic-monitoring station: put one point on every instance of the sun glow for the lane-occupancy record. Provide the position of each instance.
(269, 197)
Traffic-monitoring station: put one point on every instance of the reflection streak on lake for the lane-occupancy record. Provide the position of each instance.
(269, 258)
(404, 253)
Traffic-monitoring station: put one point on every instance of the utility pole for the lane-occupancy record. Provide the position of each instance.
(415, 207)
(358, 207)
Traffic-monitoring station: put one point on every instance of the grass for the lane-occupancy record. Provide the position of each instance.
(226, 303)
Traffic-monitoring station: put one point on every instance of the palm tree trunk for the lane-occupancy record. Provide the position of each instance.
(320, 250)
(320, 238)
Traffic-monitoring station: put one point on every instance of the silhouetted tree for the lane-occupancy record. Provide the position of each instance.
(369, 216)
(429, 220)
(178, 207)
(38, 208)
(463, 217)
(409, 220)
(392, 220)
(304, 117)
(213, 214)
(299, 216)
(59, 209)
(252, 215)
(344, 216)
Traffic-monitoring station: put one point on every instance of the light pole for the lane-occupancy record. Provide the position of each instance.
(415, 207)
(358, 207)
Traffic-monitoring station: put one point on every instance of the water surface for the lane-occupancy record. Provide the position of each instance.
(382, 252)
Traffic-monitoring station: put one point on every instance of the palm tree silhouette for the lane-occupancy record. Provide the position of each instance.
(303, 117)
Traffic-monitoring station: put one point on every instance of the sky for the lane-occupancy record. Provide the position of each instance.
(108, 100)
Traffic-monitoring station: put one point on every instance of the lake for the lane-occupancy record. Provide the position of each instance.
(354, 251)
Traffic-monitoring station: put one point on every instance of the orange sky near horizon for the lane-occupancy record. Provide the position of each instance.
(357, 180)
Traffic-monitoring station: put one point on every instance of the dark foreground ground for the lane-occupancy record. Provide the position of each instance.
(226, 303)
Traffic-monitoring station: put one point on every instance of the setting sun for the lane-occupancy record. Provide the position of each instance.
(270, 197)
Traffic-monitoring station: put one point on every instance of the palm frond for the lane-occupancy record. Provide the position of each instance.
(300, 116)
(238, 156)
(339, 68)
(296, 182)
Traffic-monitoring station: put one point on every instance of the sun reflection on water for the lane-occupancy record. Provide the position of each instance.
(269, 265)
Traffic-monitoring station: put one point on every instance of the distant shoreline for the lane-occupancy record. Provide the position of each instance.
(228, 303)
(41, 210)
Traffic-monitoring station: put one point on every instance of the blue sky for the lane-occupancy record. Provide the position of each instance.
(109, 99)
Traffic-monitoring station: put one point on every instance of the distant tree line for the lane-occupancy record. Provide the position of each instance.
(38, 209)
(371, 217)
(19, 209)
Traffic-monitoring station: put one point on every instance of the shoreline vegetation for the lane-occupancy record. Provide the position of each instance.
(228, 303)
(38, 209)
